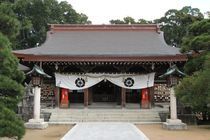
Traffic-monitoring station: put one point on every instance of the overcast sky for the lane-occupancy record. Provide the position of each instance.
(101, 11)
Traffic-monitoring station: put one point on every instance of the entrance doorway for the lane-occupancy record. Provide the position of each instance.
(107, 94)
(76, 96)
(133, 96)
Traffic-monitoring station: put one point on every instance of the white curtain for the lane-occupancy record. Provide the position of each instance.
(83, 81)
(139, 81)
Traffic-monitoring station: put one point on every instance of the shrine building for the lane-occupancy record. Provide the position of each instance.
(93, 65)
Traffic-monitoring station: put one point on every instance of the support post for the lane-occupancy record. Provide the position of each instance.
(86, 97)
(145, 99)
(36, 122)
(57, 96)
(64, 103)
(90, 96)
(173, 105)
(173, 123)
(123, 97)
(37, 96)
(151, 95)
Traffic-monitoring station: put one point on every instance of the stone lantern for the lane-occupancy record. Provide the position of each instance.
(37, 75)
(173, 76)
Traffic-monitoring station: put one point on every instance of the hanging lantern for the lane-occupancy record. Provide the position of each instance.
(37, 75)
(173, 76)
(36, 81)
(172, 80)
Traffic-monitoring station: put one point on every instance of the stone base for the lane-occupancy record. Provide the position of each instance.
(174, 125)
(36, 124)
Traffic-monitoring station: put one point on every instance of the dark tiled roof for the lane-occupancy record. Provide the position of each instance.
(105, 43)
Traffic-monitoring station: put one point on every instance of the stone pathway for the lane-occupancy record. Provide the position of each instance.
(104, 131)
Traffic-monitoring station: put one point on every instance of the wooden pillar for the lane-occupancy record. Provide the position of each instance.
(123, 97)
(151, 95)
(57, 96)
(86, 97)
(90, 97)
(64, 103)
(145, 98)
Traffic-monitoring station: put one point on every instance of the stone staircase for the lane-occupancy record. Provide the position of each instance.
(67, 116)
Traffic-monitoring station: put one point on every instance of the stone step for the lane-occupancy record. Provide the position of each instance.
(100, 113)
(105, 120)
(104, 115)
(111, 118)
(53, 119)
(108, 113)
(148, 116)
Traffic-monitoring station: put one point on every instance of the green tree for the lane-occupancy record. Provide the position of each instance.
(130, 20)
(175, 23)
(198, 37)
(208, 14)
(143, 21)
(35, 15)
(11, 125)
(11, 91)
(194, 90)
(9, 24)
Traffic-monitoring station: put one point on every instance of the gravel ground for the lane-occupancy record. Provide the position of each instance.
(53, 132)
(152, 131)
(155, 132)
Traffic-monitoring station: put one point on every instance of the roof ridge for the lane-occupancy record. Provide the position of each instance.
(104, 27)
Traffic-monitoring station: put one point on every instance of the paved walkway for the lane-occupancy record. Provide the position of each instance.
(104, 131)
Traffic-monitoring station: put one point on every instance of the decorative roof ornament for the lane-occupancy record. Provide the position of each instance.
(37, 71)
(173, 70)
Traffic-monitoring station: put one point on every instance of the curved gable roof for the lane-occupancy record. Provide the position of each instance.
(103, 40)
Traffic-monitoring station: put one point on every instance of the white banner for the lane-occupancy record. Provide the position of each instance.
(83, 81)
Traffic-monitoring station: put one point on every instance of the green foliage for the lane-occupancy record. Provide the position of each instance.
(194, 90)
(25, 22)
(9, 63)
(175, 23)
(195, 64)
(208, 14)
(9, 25)
(198, 37)
(11, 126)
(11, 91)
(117, 21)
(143, 21)
(129, 20)
(7, 1)
(35, 15)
